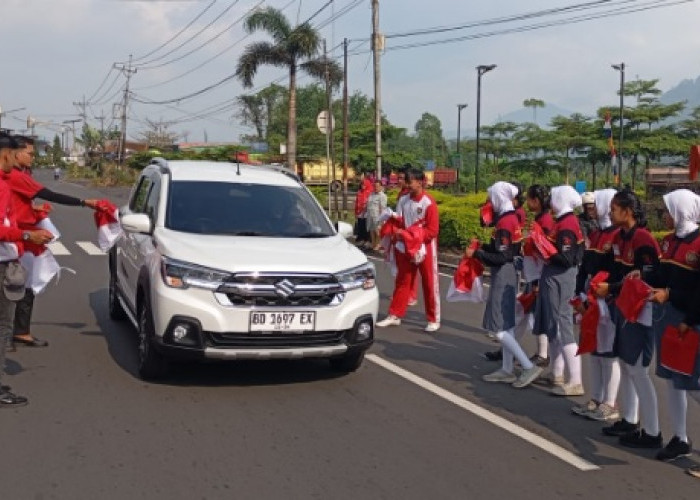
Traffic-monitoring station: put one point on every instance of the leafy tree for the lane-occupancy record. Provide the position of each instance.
(251, 112)
(292, 48)
(429, 135)
(570, 135)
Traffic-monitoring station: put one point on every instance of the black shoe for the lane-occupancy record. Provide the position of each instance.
(494, 355)
(540, 361)
(7, 400)
(620, 428)
(675, 449)
(640, 439)
(5, 388)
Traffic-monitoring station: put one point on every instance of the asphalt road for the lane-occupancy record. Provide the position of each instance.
(414, 422)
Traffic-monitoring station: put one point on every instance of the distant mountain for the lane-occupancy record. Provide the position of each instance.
(542, 118)
(687, 90)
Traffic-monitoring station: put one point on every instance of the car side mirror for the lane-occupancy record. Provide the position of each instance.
(344, 229)
(136, 223)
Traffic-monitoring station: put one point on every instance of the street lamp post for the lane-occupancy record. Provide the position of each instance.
(481, 69)
(460, 107)
(621, 68)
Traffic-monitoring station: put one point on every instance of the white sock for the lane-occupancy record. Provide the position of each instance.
(678, 411)
(573, 364)
(629, 402)
(557, 358)
(597, 379)
(542, 346)
(509, 343)
(648, 404)
(611, 380)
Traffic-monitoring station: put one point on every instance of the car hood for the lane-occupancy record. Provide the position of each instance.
(246, 253)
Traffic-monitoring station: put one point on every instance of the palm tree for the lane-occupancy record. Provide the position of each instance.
(293, 48)
(534, 104)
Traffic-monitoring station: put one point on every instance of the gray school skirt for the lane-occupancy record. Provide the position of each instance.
(500, 306)
(554, 314)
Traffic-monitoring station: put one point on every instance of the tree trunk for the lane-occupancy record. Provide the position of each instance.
(292, 120)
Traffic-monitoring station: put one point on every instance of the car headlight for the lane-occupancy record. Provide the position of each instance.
(363, 276)
(178, 274)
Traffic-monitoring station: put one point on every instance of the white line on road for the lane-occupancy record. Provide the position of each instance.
(487, 415)
(89, 247)
(57, 248)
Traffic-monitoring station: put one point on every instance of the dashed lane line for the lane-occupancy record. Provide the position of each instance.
(500, 422)
(58, 248)
(89, 248)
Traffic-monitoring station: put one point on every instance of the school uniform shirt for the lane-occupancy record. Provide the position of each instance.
(568, 240)
(546, 222)
(23, 189)
(521, 215)
(419, 209)
(633, 249)
(505, 242)
(597, 257)
(10, 233)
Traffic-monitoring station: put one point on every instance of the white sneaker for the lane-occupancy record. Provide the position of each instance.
(500, 375)
(568, 390)
(390, 320)
(412, 302)
(527, 377)
(432, 327)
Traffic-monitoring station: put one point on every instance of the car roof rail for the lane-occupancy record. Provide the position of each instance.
(161, 162)
(284, 170)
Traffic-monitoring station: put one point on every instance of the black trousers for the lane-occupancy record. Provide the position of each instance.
(23, 313)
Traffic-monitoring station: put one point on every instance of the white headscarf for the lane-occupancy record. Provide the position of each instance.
(501, 195)
(603, 198)
(565, 199)
(684, 207)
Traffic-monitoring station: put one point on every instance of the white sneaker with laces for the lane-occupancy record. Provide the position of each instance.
(390, 320)
(499, 376)
(432, 327)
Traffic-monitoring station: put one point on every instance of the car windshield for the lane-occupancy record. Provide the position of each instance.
(225, 208)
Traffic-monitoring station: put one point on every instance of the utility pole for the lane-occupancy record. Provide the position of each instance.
(102, 132)
(127, 71)
(82, 105)
(346, 133)
(377, 45)
(331, 132)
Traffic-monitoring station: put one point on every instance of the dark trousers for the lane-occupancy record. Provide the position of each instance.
(23, 313)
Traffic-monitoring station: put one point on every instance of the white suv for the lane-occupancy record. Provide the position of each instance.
(226, 261)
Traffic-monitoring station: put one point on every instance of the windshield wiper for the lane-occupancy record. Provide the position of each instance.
(312, 235)
(248, 233)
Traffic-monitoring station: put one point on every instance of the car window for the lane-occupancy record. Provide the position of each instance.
(245, 210)
(138, 201)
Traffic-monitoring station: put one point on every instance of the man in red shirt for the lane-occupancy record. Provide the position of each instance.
(24, 189)
(11, 241)
(418, 211)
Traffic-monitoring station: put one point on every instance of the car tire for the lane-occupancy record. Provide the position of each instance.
(116, 311)
(152, 365)
(348, 363)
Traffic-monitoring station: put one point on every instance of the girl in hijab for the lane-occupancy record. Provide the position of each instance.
(499, 316)
(675, 284)
(605, 367)
(553, 310)
(635, 251)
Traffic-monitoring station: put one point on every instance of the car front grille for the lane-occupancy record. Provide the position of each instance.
(282, 290)
(274, 340)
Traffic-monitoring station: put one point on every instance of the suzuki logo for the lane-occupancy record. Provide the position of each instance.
(284, 288)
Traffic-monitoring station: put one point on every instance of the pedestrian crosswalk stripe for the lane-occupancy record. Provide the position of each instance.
(57, 248)
(89, 247)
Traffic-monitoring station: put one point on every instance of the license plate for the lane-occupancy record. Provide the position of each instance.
(284, 321)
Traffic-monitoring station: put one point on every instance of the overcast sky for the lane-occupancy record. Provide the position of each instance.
(58, 51)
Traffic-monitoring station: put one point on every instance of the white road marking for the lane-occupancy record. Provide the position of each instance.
(58, 248)
(487, 415)
(90, 248)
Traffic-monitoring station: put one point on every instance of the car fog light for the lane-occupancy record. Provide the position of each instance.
(180, 332)
(364, 330)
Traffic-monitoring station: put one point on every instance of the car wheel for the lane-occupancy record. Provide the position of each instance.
(152, 364)
(116, 311)
(348, 363)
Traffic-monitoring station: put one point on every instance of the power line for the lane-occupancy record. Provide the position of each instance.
(178, 33)
(207, 26)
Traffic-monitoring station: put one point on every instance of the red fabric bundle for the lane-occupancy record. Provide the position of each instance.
(527, 300)
(468, 270)
(632, 299)
(679, 350)
(486, 214)
(391, 227)
(42, 212)
(591, 317)
(104, 213)
(413, 239)
(545, 247)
